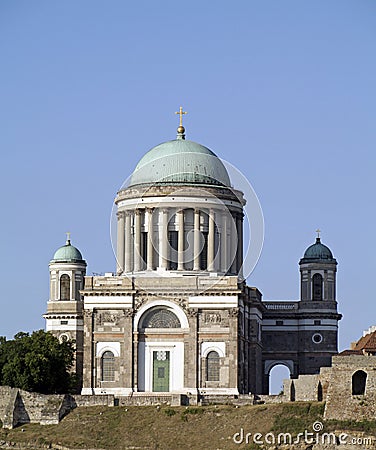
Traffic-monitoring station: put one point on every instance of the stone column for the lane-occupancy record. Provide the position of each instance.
(137, 240)
(120, 243)
(127, 360)
(180, 215)
(233, 248)
(196, 240)
(163, 238)
(191, 366)
(211, 235)
(128, 262)
(239, 227)
(325, 290)
(149, 263)
(223, 244)
(233, 347)
(87, 379)
(135, 360)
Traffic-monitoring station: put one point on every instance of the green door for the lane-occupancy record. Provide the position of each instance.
(161, 371)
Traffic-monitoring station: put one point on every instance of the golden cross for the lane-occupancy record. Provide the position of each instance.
(318, 231)
(181, 113)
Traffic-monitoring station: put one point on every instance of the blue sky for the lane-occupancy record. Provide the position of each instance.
(283, 90)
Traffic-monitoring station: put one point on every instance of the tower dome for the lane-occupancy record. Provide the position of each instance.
(67, 253)
(180, 161)
(318, 251)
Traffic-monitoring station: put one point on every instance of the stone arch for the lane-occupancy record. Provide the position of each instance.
(358, 382)
(159, 317)
(140, 315)
(276, 372)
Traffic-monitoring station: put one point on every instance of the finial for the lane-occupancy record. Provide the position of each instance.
(68, 238)
(181, 129)
(318, 231)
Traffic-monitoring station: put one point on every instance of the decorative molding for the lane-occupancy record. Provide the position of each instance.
(192, 312)
(233, 312)
(212, 318)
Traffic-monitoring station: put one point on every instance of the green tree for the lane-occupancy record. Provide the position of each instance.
(37, 363)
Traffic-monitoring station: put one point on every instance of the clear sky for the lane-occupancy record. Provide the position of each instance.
(283, 90)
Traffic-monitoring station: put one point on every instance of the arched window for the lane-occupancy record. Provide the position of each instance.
(317, 286)
(65, 287)
(359, 380)
(212, 366)
(160, 318)
(108, 366)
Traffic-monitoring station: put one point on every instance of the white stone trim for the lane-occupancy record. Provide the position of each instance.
(300, 328)
(219, 347)
(173, 202)
(113, 347)
(213, 301)
(173, 306)
(108, 301)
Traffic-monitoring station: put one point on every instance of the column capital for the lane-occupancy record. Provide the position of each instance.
(120, 215)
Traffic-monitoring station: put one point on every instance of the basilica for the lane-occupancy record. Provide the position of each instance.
(177, 316)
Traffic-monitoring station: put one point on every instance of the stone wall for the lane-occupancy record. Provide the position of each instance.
(18, 407)
(341, 402)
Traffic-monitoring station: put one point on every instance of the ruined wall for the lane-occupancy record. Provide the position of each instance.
(341, 402)
(18, 407)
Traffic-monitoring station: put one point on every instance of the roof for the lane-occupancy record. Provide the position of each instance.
(180, 161)
(67, 253)
(318, 251)
(365, 345)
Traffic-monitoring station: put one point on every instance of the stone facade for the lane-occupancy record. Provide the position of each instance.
(178, 317)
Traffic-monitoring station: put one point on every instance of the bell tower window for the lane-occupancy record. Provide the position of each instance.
(65, 287)
(317, 287)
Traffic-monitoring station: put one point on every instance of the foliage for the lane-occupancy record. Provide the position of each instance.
(296, 417)
(169, 412)
(37, 363)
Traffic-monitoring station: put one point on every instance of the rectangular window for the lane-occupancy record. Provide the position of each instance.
(63, 322)
(279, 322)
(317, 322)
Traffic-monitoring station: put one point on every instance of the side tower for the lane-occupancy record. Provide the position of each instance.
(302, 335)
(319, 343)
(64, 317)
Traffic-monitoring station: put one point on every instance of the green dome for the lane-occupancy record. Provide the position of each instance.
(67, 253)
(318, 251)
(180, 161)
